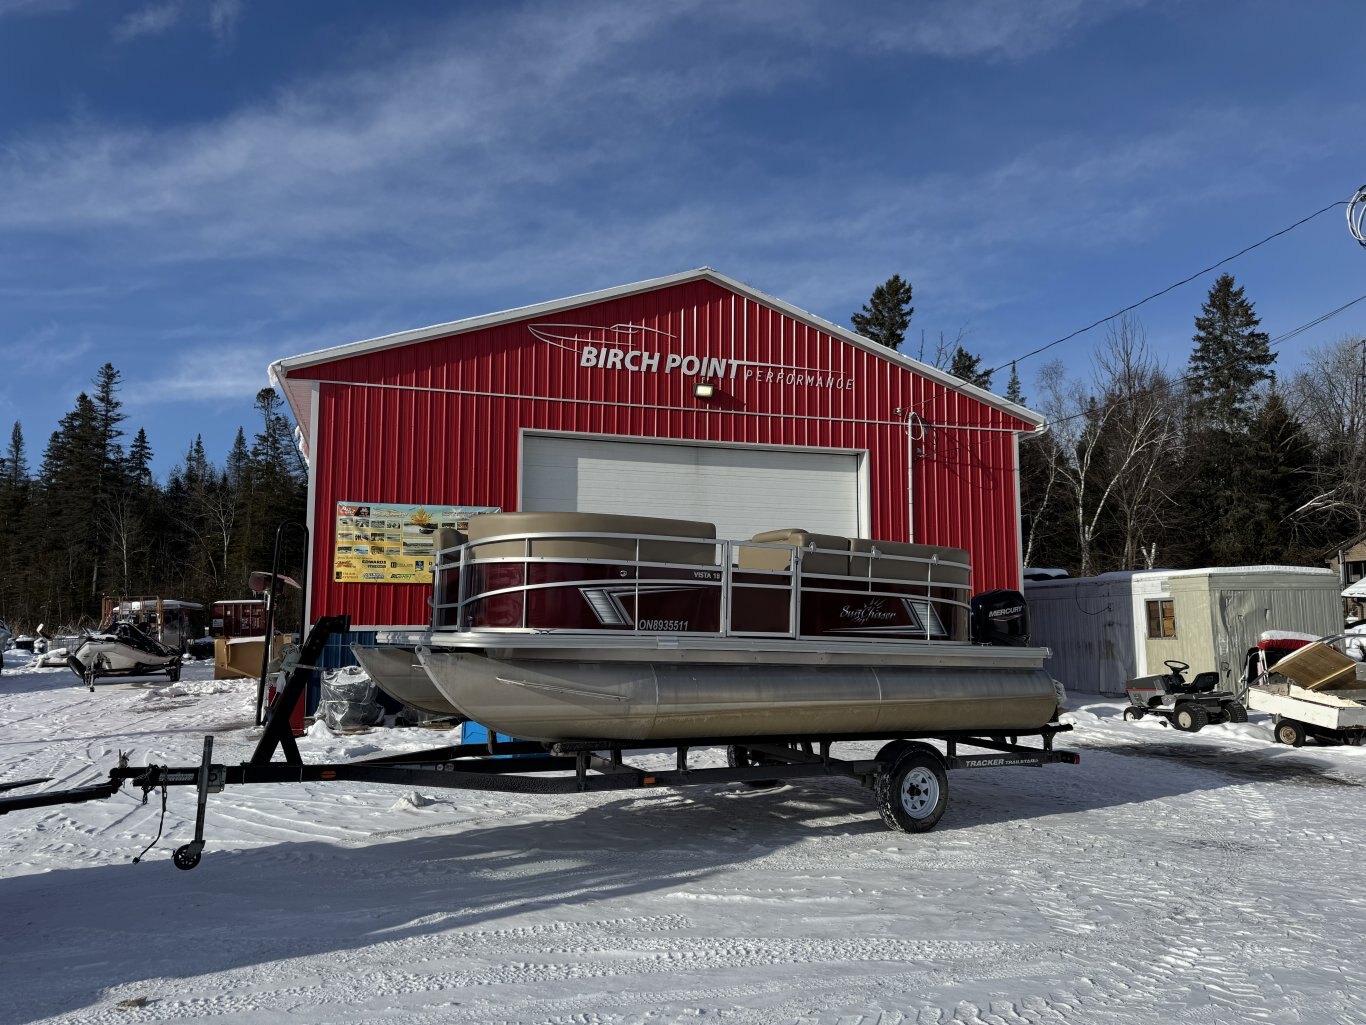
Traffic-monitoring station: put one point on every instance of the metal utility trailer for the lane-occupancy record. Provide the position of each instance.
(907, 775)
(1313, 690)
(1297, 714)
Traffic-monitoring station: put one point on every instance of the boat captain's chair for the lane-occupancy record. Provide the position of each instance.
(615, 549)
(813, 563)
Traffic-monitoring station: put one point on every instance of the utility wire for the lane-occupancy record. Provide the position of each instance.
(1188, 378)
(1183, 281)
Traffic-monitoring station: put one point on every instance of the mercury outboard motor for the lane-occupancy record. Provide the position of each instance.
(1000, 618)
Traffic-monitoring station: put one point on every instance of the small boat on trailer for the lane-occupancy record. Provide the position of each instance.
(577, 626)
(122, 649)
(907, 775)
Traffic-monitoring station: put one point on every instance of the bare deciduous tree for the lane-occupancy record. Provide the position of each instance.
(1113, 450)
(1329, 397)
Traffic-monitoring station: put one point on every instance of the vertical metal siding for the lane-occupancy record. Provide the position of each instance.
(439, 421)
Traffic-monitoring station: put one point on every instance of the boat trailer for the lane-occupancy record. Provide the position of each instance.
(907, 775)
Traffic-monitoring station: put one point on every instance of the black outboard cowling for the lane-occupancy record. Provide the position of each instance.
(1000, 618)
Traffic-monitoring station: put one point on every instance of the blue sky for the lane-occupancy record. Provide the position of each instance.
(190, 190)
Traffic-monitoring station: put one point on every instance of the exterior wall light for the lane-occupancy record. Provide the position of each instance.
(704, 389)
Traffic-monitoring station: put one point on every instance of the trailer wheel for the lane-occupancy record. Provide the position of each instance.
(742, 757)
(913, 793)
(173, 673)
(1234, 711)
(1190, 717)
(1288, 731)
(185, 857)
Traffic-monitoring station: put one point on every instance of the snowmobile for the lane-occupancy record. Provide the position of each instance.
(122, 649)
(1187, 705)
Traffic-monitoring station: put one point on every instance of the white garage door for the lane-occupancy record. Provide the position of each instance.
(741, 490)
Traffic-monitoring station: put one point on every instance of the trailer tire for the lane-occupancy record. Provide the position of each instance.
(1190, 717)
(1290, 732)
(1234, 711)
(738, 757)
(913, 793)
(173, 673)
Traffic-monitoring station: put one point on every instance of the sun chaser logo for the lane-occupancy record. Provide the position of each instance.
(874, 611)
(637, 349)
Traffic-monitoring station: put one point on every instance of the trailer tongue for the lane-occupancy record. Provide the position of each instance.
(907, 775)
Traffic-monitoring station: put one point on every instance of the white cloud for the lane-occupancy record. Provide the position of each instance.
(152, 20)
(51, 347)
(204, 369)
(440, 174)
(223, 18)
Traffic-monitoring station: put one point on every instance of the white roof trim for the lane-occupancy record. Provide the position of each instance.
(281, 368)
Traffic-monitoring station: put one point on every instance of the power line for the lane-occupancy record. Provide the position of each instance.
(1188, 378)
(1183, 281)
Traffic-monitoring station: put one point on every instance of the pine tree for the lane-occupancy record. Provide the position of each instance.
(1013, 390)
(138, 465)
(887, 314)
(1231, 356)
(967, 367)
(1276, 478)
(109, 410)
(68, 505)
(15, 568)
(239, 461)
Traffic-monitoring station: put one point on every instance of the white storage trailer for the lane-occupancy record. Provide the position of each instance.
(1108, 629)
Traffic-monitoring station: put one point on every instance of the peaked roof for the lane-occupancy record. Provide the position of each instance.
(282, 370)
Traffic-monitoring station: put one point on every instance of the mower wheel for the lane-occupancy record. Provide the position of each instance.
(1234, 711)
(1133, 712)
(1290, 732)
(1190, 717)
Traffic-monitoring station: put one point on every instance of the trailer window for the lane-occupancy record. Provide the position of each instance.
(1161, 618)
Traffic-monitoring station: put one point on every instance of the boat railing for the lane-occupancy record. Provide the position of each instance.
(922, 592)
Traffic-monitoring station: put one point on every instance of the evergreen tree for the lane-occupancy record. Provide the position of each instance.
(15, 569)
(239, 461)
(1013, 390)
(138, 466)
(1277, 477)
(887, 314)
(69, 504)
(967, 367)
(1230, 359)
(109, 410)
(1231, 356)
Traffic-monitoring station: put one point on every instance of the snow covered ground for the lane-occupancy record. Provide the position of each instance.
(1168, 877)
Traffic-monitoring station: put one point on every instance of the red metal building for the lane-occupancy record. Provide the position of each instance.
(691, 395)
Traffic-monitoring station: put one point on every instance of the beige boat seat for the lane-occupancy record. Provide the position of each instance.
(623, 549)
(447, 537)
(812, 562)
(929, 570)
